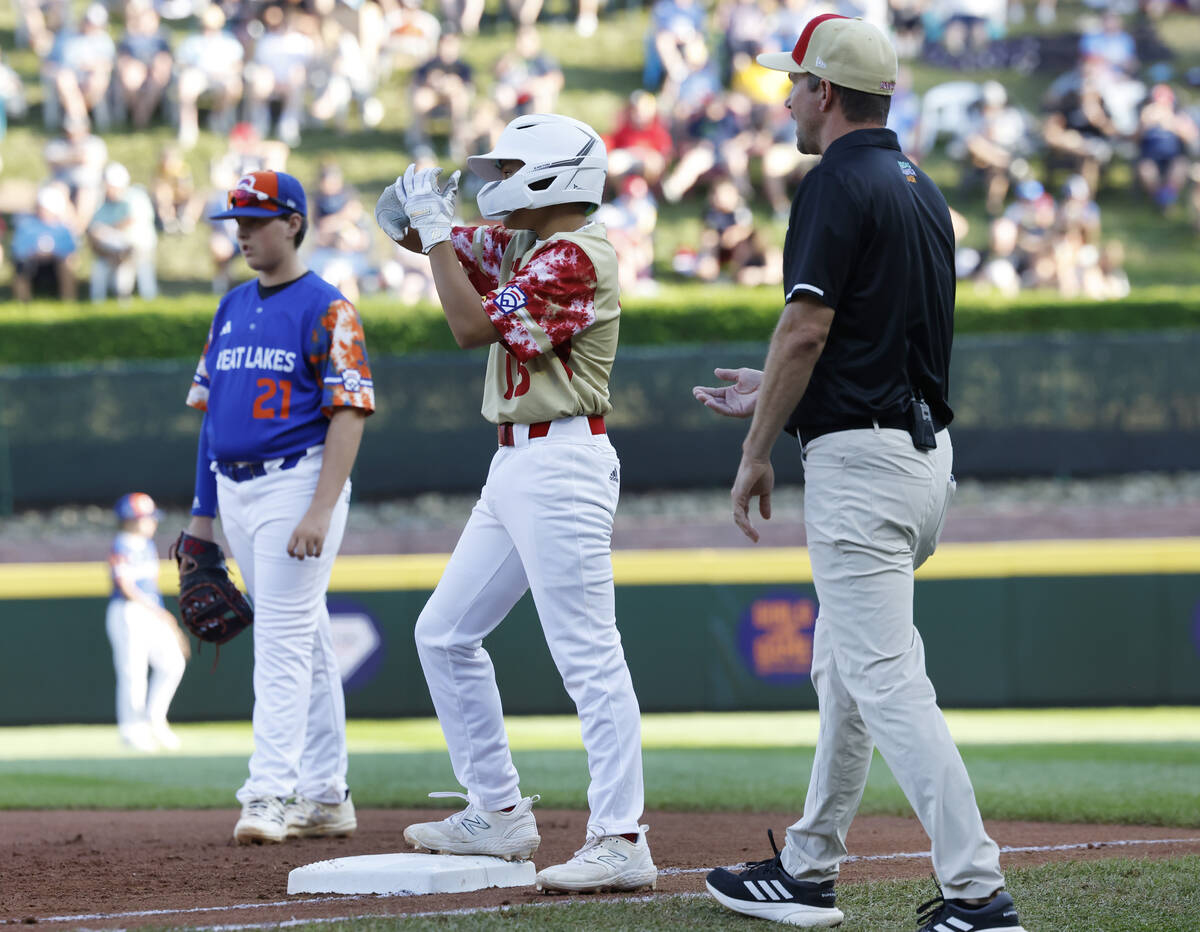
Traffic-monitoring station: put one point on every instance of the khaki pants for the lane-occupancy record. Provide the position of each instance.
(874, 509)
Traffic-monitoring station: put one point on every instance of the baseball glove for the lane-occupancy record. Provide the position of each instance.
(212, 607)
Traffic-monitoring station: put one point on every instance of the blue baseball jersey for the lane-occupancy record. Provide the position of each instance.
(134, 560)
(276, 366)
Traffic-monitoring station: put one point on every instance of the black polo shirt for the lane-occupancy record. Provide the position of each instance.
(870, 237)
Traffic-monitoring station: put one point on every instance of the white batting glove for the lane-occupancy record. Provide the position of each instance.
(391, 215)
(430, 208)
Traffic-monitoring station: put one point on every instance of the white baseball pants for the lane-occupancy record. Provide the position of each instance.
(299, 707)
(874, 507)
(141, 642)
(543, 522)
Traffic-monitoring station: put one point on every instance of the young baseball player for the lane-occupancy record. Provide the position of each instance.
(541, 291)
(145, 637)
(285, 386)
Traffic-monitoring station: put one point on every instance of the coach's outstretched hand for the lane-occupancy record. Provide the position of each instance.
(736, 400)
(390, 214)
(430, 208)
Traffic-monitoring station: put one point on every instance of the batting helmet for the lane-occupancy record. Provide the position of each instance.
(565, 162)
(135, 505)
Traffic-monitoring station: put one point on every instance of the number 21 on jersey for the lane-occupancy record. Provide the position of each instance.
(274, 400)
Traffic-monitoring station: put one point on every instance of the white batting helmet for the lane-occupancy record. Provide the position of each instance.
(565, 163)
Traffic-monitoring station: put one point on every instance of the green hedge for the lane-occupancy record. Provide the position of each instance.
(175, 327)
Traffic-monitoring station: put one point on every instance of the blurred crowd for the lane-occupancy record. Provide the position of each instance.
(707, 125)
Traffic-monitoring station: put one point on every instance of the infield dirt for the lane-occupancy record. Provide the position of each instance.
(171, 868)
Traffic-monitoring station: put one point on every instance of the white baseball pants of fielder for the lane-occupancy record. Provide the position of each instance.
(543, 522)
(299, 707)
(141, 640)
(874, 507)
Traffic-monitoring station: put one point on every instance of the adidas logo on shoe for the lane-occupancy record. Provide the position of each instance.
(765, 890)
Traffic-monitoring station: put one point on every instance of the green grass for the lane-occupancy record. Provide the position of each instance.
(1113, 895)
(600, 72)
(1094, 765)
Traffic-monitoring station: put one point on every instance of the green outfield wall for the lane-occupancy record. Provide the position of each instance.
(1032, 624)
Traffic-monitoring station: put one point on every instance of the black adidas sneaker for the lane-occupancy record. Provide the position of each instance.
(942, 915)
(764, 889)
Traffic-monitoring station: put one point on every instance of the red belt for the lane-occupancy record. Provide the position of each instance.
(504, 432)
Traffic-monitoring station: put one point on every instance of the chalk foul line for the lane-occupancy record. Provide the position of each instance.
(482, 910)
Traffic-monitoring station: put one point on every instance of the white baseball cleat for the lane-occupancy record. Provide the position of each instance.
(162, 733)
(509, 835)
(608, 862)
(308, 818)
(261, 821)
(139, 737)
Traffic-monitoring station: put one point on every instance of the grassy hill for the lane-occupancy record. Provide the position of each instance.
(600, 72)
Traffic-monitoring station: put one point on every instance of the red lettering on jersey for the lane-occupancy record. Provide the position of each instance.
(518, 386)
(270, 387)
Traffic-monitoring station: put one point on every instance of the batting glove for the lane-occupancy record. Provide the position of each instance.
(430, 208)
(390, 214)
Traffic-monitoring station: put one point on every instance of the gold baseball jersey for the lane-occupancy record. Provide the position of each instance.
(556, 305)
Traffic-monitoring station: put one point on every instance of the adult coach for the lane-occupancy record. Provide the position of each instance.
(858, 370)
(541, 291)
(285, 386)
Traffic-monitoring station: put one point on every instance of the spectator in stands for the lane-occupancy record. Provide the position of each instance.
(462, 16)
(730, 243)
(411, 36)
(743, 27)
(1079, 130)
(39, 21)
(997, 144)
(968, 25)
(408, 277)
(344, 74)
(222, 234)
(630, 219)
(694, 79)
(641, 142)
(121, 235)
(77, 158)
(672, 23)
(44, 247)
(527, 79)
(12, 97)
(1165, 137)
(999, 267)
(1035, 214)
(341, 235)
(277, 73)
(78, 70)
(209, 65)
(143, 64)
(716, 140)
(442, 89)
(1110, 43)
(177, 205)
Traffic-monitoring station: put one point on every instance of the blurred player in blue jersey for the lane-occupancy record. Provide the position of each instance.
(285, 385)
(149, 648)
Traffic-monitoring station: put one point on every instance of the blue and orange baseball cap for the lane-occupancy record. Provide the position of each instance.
(136, 505)
(264, 194)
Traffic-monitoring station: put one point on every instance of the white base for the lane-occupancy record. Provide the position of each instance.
(409, 874)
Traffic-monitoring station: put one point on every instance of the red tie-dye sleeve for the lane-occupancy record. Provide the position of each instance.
(339, 357)
(548, 301)
(480, 251)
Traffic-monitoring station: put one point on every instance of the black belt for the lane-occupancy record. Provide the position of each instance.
(240, 472)
(884, 421)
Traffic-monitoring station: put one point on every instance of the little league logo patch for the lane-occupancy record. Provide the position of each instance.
(351, 380)
(510, 299)
(909, 172)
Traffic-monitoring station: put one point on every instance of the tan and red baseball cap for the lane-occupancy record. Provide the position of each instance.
(847, 52)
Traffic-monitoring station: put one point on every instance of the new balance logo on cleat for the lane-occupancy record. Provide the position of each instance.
(474, 825)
